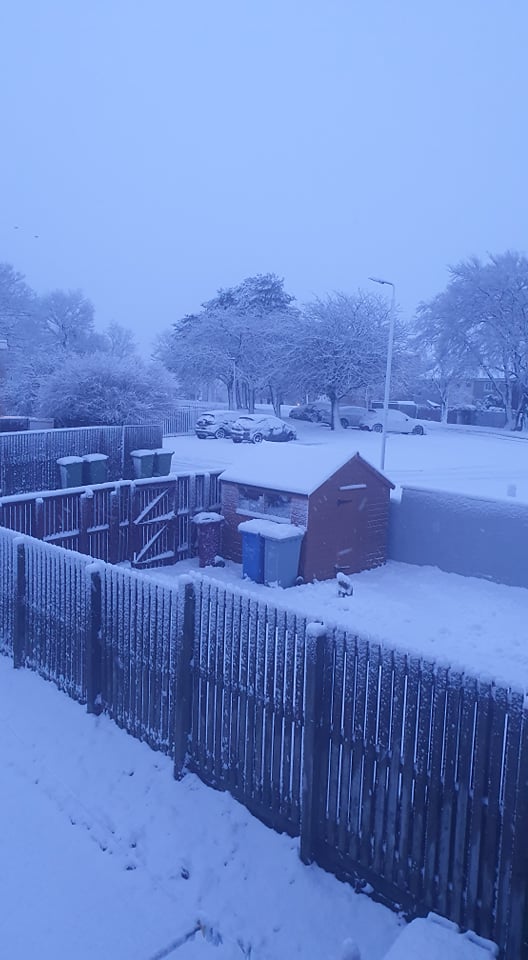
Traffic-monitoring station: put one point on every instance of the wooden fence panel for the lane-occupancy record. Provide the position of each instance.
(56, 604)
(146, 522)
(248, 689)
(7, 589)
(139, 631)
(28, 459)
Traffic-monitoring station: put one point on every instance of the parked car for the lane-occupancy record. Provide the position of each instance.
(396, 422)
(257, 427)
(349, 416)
(309, 411)
(320, 411)
(215, 423)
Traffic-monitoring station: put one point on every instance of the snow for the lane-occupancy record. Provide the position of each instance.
(65, 461)
(470, 624)
(459, 459)
(271, 530)
(93, 457)
(107, 855)
(207, 517)
(434, 938)
(290, 468)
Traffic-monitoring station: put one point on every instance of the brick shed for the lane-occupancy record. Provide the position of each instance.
(342, 502)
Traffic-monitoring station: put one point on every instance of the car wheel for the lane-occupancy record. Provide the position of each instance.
(220, 433)
(344, 423)
(378, 428)
(418, 430)
(291, 436)
(258, 438)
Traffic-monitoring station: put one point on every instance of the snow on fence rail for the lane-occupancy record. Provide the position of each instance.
(146, 521)
(395, 772)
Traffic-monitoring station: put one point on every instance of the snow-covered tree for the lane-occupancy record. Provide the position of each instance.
(69, 317)
(103, 388)
(235, 339)
(480, 321)
(341, 346)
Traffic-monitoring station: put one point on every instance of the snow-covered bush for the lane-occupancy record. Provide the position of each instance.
(104, 388)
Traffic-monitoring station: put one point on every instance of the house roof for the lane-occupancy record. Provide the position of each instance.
(292, 468)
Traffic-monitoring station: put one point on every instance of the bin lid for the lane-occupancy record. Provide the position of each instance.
(205, 517)
(94, 457)
(272, 530)
(160, 450)
(142, 453)
(65, 461)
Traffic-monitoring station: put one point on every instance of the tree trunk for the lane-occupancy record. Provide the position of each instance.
(275, 401)
(251, 399)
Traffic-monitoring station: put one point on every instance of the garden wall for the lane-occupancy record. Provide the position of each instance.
(470, 535)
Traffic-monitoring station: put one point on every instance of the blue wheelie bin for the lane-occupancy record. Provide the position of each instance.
(252, 552)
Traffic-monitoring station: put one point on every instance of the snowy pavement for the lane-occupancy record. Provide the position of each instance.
(446, 458)
(104, 855)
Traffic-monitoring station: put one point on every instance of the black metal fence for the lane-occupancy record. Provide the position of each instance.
(395, 772)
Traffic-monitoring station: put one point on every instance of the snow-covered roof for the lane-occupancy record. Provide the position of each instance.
(292, 468)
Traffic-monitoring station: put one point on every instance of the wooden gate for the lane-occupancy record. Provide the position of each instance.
(160, 530)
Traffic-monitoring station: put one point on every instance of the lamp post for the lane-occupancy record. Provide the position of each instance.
(388, 368)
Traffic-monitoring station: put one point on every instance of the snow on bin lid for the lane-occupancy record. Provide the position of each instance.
(64, 461)
(94, 457)
(293, 469)
(205, 517)
(271, 530)
(437, 939)
(142, 453)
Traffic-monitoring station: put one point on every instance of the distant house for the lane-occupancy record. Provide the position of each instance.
(341, 501)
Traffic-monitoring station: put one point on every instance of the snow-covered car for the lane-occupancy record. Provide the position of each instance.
(215, 423)
(396, 422)
(257, 427)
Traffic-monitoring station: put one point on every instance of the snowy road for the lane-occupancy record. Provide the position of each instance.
(456, 459)
(104, 855)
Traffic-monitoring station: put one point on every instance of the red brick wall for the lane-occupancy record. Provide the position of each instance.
(232, 540)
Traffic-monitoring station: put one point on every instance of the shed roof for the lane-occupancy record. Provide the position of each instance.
(292, 468)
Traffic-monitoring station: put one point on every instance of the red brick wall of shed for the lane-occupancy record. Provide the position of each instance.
(231, 538)
(325, 520)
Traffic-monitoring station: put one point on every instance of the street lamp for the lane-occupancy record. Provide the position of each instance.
(388, 368)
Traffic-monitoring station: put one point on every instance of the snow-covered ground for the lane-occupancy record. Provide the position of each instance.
(104, 855)
(449, 458)
(477, 626)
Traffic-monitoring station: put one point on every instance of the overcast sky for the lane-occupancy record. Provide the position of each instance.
(160, 149)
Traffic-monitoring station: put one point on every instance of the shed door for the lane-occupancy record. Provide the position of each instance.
(352, 529)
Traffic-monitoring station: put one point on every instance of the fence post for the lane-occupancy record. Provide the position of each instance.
(85, 521)
(311, 786)
(93, 671)
(113, 527)
(39, 531)
(19, 620)
(184, 685)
